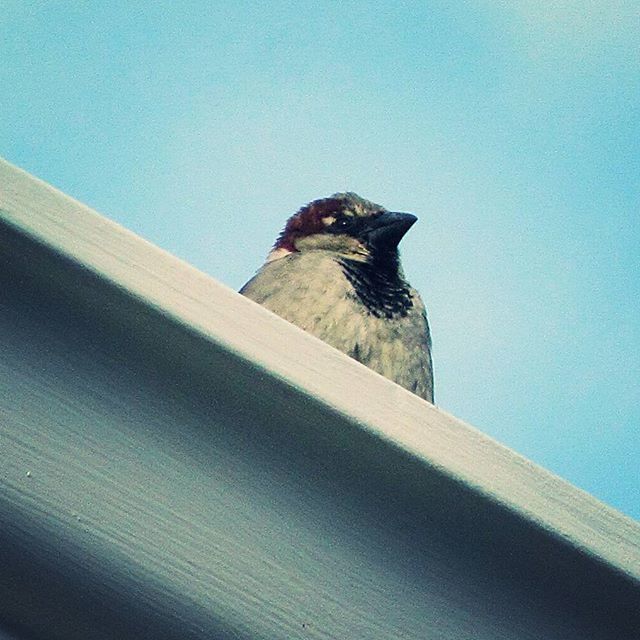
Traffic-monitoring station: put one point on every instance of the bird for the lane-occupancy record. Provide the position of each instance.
(335, 272)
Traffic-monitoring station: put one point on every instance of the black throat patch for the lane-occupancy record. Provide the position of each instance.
(379, 287)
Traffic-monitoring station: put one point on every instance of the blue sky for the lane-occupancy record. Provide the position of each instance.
(511, 129)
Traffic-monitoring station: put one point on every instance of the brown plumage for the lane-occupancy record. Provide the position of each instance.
(335, 272)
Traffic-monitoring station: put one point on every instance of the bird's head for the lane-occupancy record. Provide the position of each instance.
(346, 224)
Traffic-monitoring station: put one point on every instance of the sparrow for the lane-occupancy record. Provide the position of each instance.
(335, 272)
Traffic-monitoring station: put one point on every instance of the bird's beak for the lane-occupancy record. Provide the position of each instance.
(386, 230)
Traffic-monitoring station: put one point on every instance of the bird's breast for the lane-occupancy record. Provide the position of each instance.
(379, 321)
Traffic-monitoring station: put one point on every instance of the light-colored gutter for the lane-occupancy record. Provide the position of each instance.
(179, 462)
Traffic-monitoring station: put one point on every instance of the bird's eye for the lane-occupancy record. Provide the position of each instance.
(341, 223)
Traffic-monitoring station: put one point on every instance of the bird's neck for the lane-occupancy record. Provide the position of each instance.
(379, 285)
